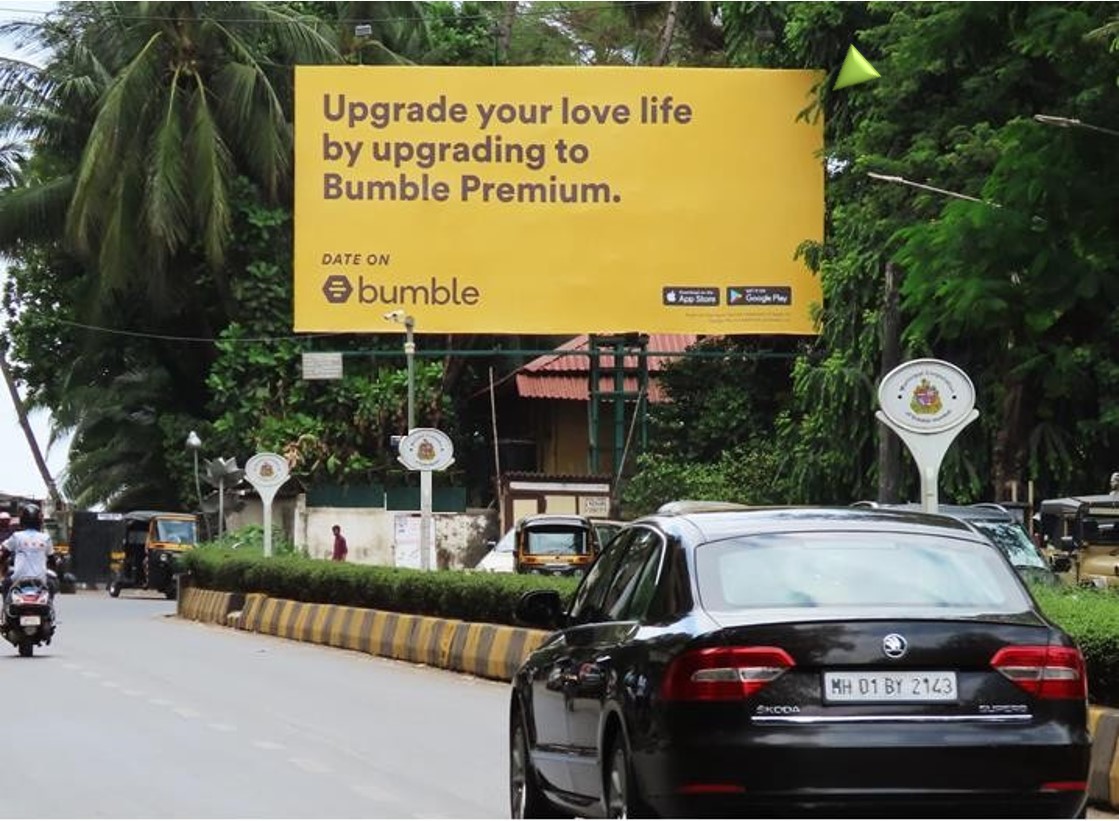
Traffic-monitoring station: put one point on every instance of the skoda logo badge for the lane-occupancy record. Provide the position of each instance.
(894, 646)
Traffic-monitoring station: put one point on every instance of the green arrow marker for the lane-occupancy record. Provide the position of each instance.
(855, 70)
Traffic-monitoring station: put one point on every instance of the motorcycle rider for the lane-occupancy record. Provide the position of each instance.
(31, 552)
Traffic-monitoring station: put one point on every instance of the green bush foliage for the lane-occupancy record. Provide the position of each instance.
(452, 594)
(1091, 617)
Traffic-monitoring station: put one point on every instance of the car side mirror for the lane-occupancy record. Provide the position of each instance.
(1068, 543)
(540, 608)
(1060, 564)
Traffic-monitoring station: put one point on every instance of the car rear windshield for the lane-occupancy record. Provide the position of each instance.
(555, 541)
(863, 570)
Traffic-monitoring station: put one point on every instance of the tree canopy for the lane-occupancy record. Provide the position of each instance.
(146, 208)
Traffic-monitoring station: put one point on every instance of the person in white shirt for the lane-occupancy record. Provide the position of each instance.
(30, 551)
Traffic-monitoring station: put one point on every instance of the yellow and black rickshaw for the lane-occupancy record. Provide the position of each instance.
(148, 557)
(555, 545)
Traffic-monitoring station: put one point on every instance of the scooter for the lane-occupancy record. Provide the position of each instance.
(28, 617)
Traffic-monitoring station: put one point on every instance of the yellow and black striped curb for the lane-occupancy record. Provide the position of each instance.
(1103, 777)
(208, 605)
(487, 650)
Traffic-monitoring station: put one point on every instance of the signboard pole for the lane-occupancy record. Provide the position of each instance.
(928, 452)
(266, 472)
(267, 500)
(425, 520)
(426, 450)
(927, 402)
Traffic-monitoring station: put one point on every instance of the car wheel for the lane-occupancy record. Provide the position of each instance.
(26, 649)
(526, 799)
(621, 788)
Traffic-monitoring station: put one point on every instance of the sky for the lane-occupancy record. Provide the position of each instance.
(18, 474)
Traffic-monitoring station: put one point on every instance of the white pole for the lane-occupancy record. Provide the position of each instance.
(221, 505)
(425, 519)
(267, 527)
(410, 356)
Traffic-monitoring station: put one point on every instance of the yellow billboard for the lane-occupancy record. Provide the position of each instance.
(552, 200)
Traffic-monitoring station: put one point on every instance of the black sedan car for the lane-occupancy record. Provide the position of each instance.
(798, 662)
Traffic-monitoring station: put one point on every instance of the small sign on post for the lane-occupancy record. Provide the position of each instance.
(322, 365)
(426, 450)
(266, 472)
(927, 402)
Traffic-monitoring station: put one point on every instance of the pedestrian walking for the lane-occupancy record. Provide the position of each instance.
(340, 549)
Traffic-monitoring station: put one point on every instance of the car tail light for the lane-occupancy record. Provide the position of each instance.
(1064, 786)
(1044, 671)
(711, 789)
(723, 673)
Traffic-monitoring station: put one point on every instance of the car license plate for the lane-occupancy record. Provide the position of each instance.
(890, 687)
(30, 621)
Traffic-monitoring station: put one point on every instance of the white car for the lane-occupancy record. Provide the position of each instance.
(500, 557)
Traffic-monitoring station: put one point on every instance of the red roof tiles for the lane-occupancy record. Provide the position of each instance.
(559, 376)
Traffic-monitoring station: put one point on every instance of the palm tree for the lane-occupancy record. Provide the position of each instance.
(199, 93)
(136, 130)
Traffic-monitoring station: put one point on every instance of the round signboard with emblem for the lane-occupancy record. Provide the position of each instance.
(927, 396)
(267, 470)
(426, 449)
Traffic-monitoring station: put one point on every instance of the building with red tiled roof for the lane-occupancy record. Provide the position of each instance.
(553, 406)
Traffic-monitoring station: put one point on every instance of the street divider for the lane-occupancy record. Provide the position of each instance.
(1103, 776)
(207, 605)
(487, 650)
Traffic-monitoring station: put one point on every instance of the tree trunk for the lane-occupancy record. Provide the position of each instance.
(1007, 451)
(36, 453)
(505, 31)
(667, 33)
(889, 445)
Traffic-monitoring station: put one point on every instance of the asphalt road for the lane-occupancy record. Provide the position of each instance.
(135, 714)
(132, 713)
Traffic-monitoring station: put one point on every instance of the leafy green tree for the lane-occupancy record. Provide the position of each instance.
(996, 287)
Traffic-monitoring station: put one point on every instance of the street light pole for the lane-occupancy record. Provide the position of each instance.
(194, 443)
(1072, 122)
(934, 189)
(409, 323)
(410, 355)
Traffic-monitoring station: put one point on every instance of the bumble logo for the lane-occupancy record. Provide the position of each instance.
(337, 289)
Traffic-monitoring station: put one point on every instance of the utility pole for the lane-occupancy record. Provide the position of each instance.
(889, 450)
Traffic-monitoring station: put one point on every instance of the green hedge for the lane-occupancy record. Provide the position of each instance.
(1091, 617)
(452, 594)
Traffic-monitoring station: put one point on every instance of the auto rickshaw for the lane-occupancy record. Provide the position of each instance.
(149, 554)
(1085, 529)
(64, 563)
(555, 545)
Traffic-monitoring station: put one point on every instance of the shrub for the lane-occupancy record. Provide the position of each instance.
(1091, 617)
(453, 594)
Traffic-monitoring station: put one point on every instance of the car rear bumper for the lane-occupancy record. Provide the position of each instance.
(864, 804)
(967, 770)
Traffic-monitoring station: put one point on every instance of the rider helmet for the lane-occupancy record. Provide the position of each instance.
(31, 517)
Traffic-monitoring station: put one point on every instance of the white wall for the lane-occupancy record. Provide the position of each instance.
(370, 532)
